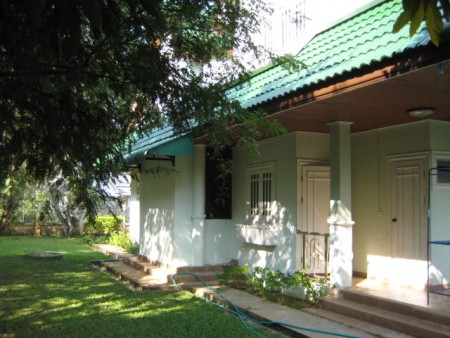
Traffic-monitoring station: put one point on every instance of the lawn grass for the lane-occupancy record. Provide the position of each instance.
(69, 298)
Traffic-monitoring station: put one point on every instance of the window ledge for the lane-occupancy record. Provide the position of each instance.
(257, 234)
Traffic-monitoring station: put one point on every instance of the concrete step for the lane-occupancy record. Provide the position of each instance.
(145, 266)
(191, 277)
(371, 329)
(411, 310)
(385, 318)
(216, 268)
(135, 277)
(112, 251)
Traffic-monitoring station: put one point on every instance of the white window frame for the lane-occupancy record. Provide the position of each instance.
(261, 192)
(438, 158)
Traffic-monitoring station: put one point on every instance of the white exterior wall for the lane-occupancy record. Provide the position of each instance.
(283, 151)
(162, 217)
(221, 245)
(371, 193)
(166, 211)
(157, 213)
(184, 206)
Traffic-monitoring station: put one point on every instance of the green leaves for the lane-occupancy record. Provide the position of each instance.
(416, 12)
(80, 78)
(263, 279)
(434, 23)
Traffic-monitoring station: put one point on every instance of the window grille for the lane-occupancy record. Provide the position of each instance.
(261, 191)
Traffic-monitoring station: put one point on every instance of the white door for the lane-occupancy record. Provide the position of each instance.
(314, 206)
(408, 208)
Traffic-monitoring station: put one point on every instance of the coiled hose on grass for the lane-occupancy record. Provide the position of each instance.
(243, 317)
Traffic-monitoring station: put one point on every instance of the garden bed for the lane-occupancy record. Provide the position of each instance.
(297, 290)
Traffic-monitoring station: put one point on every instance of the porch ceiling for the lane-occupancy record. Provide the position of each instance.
(371, 101)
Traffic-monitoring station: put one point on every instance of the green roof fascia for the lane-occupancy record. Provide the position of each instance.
(163, 142)
(182, 146)
(362, 40)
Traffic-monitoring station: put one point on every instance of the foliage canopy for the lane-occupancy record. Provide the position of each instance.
(80, 78)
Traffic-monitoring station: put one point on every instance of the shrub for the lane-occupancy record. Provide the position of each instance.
(266, 282)
(235, 276)
(124, 241)
(265, 279)
(104, 226)
(313, 288)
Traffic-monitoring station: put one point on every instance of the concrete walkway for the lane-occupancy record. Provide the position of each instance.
(313, 318)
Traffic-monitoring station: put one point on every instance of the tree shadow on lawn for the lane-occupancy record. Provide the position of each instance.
(69, 298)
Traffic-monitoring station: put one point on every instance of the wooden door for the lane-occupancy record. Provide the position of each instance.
(314, 209)
(408, 208)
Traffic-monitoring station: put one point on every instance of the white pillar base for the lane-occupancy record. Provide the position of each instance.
(341, 256)
(197, 240)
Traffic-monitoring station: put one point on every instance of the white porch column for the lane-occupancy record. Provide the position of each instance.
(135, 209)
(340, 219)
(198, 219)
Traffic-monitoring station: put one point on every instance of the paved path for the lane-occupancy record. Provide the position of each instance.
(265, 310)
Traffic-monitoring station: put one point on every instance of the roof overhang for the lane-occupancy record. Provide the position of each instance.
(373, 97)
(176, 146)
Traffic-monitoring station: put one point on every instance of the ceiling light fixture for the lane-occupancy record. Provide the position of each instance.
(420, 112)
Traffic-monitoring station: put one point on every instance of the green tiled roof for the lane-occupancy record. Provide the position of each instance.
(359, 41)
(362, 40)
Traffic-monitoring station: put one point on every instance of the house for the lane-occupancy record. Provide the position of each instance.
(350, 190)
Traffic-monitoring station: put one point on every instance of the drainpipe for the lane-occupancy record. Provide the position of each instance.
(198, 219)
(340, 219)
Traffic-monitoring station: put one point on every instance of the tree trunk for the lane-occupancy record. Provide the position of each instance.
(6, 211)
(66, 221)
(11, 199)
(66, 212)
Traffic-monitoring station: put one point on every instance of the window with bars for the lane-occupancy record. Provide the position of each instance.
(261, 191)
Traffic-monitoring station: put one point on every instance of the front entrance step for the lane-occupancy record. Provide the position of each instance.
(411, 310)
(388, 314)
(135, 277)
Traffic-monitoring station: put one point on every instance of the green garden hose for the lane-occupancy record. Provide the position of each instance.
(243, 317)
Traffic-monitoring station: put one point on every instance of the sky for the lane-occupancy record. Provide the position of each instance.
(326, 11)
(284, 36)
(320, 14)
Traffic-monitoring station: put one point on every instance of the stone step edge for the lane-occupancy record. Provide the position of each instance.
(147, 267)
(117, 269)
(192, 276)
(131, 279)
(217, 268)
(370, 328)
(385, 318)
(410, 310)
(143, 263)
